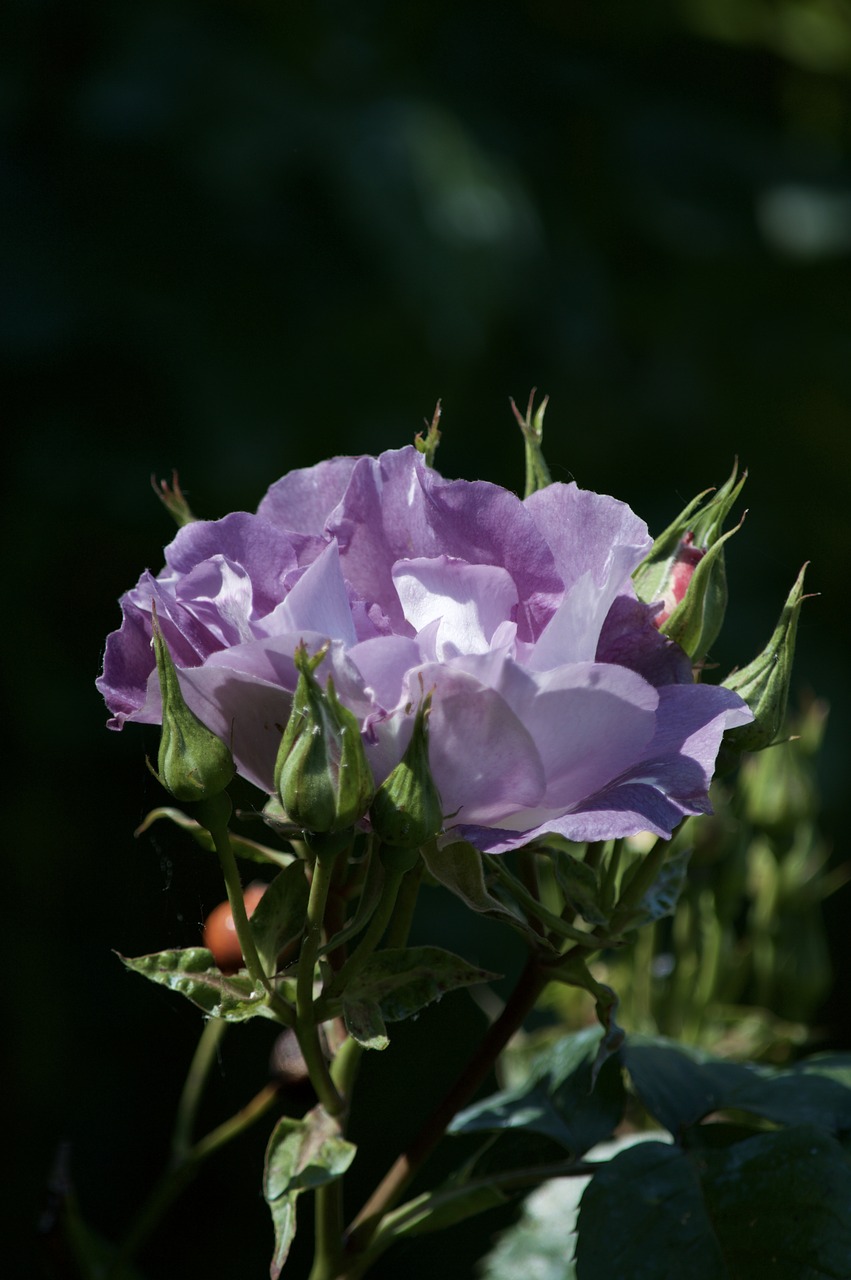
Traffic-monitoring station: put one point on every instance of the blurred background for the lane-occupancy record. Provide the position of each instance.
(238, 237)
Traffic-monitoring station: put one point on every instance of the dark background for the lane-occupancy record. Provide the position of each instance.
(238, 237)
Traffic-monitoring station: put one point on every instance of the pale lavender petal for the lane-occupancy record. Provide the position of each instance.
(219, 594)
(483, 759)
(318, 602)
(668, 783)
(589, 533)
(127, 660)
(265, 552)
(468, 600)
(396, 508)
(303, 500)
(383, 663)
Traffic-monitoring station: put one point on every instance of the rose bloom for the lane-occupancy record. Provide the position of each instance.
(557, 705)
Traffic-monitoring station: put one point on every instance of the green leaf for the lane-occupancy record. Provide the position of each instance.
(559, 1100)
(437, 1210)
(402, 981)
(459, 868)
(575, 973)
(364, 1023)
(301, 1156)
(680, 1086)
(541, 1244)
(280, 915)
(579, 883)
(777, 1204)
(662, 897)
(194, 973)
(242, 847)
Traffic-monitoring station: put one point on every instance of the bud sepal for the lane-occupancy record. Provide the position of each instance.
(685, 570)
(406, 811)
(193, 763)
(321, 774)
(764, 683)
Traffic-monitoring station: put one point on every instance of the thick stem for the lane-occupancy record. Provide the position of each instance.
(328, 1231)
(387, 1194)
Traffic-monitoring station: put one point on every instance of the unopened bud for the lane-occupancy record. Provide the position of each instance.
(685, 571)
(193, 764)
(406, 811)
(764, 683)
(321, 774)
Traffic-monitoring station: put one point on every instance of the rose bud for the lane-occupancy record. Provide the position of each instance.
(764, 683)
(406, 811)
(220, 930)
(685, 570)
(321, 774)
(193, 763)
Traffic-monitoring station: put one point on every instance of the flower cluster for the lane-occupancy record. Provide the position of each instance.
(556, 705)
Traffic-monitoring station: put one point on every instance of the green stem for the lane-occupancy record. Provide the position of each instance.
(328, 1231)
(529, 879)
(178, 1176)
(610, 876)
(645, 876)
(187, 1108)
(214, 814)
(306, 1027)
(521, 894)
(403, 916)
(374, 933)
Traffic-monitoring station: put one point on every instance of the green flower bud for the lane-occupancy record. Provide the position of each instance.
(193, 764)
(685, 570)
(764, 683)
(532, 425)
(174, 500)
(321, 774)
(406, 811)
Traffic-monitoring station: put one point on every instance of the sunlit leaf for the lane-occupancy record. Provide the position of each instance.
(403, 981)
(280, 915)
(301, 1156)
(194, 973)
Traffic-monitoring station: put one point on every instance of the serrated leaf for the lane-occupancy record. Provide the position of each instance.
(541, 1244)
(365, 1024)
(301, 1156)
(242, 847)
(280, 915)
(775, 1204)
(662, 897)
(559, 1100)
(404, 980)
(579, 883)
(679, 1086)
(460, 869)
(194, 973)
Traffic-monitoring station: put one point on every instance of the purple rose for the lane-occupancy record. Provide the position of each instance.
(557, 705)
